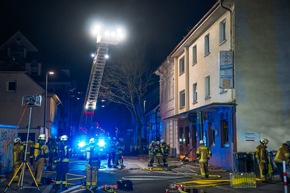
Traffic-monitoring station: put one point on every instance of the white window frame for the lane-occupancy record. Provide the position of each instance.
(222, 31)
(182, 99)
(206, 45)
(181, 65)
(207, 87)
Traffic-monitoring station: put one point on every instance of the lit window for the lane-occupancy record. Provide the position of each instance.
(207, 87)
(206, 44)
(11, 86)
(222, 31)
(194, 55)
(182, 99)
(181, 65)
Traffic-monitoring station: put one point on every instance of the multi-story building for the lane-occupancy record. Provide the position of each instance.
(229, 81)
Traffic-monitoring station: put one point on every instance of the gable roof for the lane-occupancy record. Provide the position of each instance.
(18, 37)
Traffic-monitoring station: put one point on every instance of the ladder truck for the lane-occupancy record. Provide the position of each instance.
(104, 38)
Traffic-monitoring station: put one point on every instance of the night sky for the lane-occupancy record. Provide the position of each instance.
(60, 30)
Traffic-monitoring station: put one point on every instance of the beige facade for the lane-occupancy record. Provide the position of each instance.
(231, 115)
(14, 85)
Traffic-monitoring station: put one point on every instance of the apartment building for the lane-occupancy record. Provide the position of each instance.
(230, 81)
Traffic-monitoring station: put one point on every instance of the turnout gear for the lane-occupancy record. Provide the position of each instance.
(283, 154)
(203, 154)
(165, 149)
(151, 153)
(92, 167)
(52, 146)
(158, 154)
(18, 153)
(112, 152)
(62, 164)
(40, 157)
(119, 154)
(261, 154)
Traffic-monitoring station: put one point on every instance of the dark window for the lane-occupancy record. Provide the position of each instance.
(11, 86)
(181, 66)
(225, 133)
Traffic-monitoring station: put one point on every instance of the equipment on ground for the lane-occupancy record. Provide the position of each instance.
(125, 185)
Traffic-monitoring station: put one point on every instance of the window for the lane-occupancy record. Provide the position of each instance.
(187, 136)
(11, 86)
(207, 87)
(181, 136)
(206, 44)
(181, 65)
(194, 93)
(224, 133)
(211, 135)
(182, 99)
(222, 31)
(194, 55)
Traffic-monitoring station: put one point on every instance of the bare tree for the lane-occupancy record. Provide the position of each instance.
(126, 80)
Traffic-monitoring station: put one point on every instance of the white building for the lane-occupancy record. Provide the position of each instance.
(230, 79)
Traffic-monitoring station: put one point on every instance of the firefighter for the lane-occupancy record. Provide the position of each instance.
(157, 151)
(165, 148)
(52, 146)
(151, 153)
(112, 152)
(62, 164)
(29, 152)
(283, 154)
(203, 154)
(92, 166)
(119, 154)
(40, 157)
(261, 154)
(18, 152)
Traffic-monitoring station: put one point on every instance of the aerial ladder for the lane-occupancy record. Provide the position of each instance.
(104, 38)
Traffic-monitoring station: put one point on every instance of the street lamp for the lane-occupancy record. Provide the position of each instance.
(45, 99)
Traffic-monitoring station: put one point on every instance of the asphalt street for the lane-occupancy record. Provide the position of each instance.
(144, 180)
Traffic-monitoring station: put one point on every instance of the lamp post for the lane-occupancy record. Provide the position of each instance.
(45, 99)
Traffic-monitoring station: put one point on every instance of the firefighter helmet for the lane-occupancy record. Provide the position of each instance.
(264, 141)
(157, 142)
(201, 142)
(162, 141)
(63, 138)
(41, 137)
(287, 143)
(16, 140)
(92, 140)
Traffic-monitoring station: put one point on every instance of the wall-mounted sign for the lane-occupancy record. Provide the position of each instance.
(250, 136)
(226, 70)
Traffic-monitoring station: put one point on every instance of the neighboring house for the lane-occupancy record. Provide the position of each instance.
(14, 86)
(231, 81)
(152, 125)
(18, 54)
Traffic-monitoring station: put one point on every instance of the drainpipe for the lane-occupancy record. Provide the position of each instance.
(233, 110)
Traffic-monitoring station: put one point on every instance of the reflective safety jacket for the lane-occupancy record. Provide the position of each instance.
(18, 152)
(283, 154)
(203, 154)
(165, 149)
(261, 153)
(152, 148)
